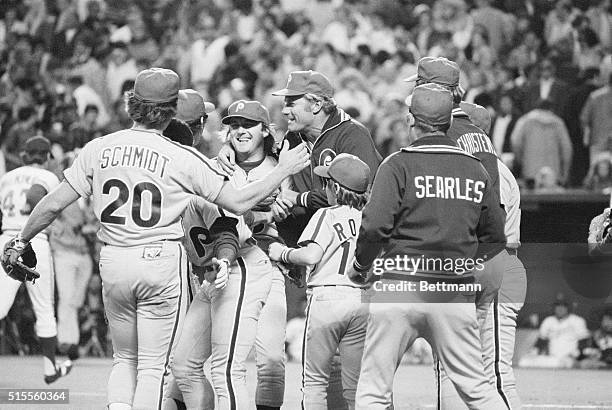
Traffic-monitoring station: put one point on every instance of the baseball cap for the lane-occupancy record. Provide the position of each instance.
(157, 85)
(304, 82)
(348, 171)
(432, 104)
(37, 145)
(478, 114)
(193, 106)
(437, 70)
(252, 110)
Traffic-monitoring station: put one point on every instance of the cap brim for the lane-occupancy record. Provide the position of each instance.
(227, 119)
(285, 92)
(208, 107)
(322, 171)
(182, 95)
(411, 78)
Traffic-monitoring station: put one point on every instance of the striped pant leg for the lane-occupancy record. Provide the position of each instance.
(160, 311)
(235, 312)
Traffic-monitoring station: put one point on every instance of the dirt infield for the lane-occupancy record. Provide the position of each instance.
(414, 385)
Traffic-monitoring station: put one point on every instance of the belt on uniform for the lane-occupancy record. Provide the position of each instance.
(146, 244)
(512, 251)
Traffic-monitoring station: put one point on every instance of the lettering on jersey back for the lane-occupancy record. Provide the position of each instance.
(435, 186)
(351, 229)
(474, 142)
(134, 156)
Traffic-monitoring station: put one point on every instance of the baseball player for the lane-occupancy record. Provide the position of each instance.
(20, 190)
(251, 137)
(504, 280)
(141, 182)
(430, 201)
(194, 111)
(336, 317)
(600, 234)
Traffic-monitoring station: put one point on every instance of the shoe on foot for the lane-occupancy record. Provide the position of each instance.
(60, 371)
(73, 352)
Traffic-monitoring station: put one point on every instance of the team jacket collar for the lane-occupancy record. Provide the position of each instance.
(337, 118)
(458, 112)
(436, 143)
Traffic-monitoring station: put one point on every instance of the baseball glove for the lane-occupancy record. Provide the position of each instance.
(292, 272)
(19, 260)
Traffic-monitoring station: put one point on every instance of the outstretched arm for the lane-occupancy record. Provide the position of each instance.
(48, 209)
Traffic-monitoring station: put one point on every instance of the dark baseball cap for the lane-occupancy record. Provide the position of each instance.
(306, 82)
(157, 85)
(37, 145)
(432, 104)
(193, 106)
(479, 115)
(437, 70)
(348, 171)
(252, 110)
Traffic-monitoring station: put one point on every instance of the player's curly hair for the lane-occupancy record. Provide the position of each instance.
(350, 198)
(328, 104)
(151, 115)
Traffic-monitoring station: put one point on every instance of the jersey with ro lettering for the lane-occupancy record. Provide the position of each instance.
(335, 230)
(140, 183)
(14, 186)
(202, 221)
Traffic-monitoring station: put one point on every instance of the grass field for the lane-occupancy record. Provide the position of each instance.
(414, 385)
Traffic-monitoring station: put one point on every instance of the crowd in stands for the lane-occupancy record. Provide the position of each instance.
(541, 67)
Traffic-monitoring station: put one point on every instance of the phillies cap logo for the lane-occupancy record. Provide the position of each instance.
(240, 106)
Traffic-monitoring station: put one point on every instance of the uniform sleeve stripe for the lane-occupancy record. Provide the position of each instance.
(196, 154)
(318, 227)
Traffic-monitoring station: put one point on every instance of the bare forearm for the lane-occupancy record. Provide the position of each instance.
(303, 256)
(40, 218)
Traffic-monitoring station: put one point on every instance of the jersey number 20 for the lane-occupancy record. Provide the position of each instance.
(136, 201)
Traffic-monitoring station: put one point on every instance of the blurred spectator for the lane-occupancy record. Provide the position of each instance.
(499, 26)
(540, 139)
(597, 121)
(93, 329)
(85, 130)
(589, 82)
(559, 339)
(558, 24)
(452, 16)
(601, 21)
(587, 51)
(353, 94)
(599, 177)
(483, 55)
(25, 127)
(121, 67)
(83, 96)
(422, 32)
(502, 125)
(599, 353)
(547, 87)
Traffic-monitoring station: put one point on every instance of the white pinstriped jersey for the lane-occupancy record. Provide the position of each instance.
(199, 216)
(510, 197)
(141, 182)
(335, 229)
(14, 186)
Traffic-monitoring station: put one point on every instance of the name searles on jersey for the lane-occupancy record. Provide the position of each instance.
(134, 156)
(434, 186)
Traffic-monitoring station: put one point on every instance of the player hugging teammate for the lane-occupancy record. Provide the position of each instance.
(224, 322)
(336, 315)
